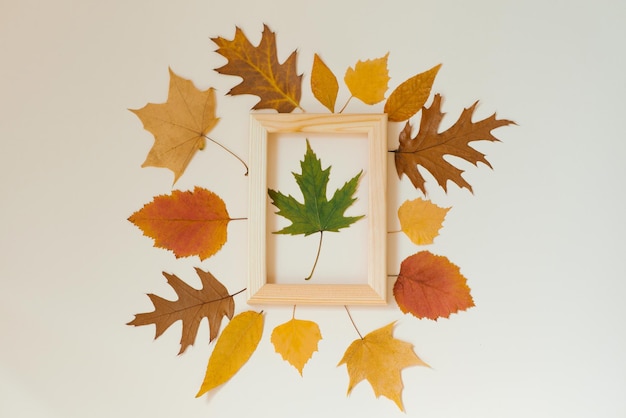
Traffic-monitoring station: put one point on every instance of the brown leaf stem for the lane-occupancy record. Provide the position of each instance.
(352, 320)
(346, 105)
(230, 152)
(317, 257)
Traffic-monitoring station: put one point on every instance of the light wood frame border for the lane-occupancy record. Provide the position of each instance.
(372, 293)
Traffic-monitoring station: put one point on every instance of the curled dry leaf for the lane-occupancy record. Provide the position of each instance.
(187, 223)
(380, 358)
(277, 85)
(409, 97)
(179, 126)
(233, 349)
(212, 301)
(430, 286)
(421, 220)
(324, 84)
(296, 341)
(368, 81)
(428, 147)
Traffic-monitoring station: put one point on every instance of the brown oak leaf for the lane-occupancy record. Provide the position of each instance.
(212, 301)
(179, 126)
(187, 223)
(430, 286)
(428, 148)
(277, 85)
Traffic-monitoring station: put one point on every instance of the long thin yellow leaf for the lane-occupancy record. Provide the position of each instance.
(324, 84)
(409, 97)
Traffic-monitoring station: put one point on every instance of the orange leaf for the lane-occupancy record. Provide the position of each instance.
(324, 84)
(296, 341)
(212, 301)
(379, 358)
(179, 126)
(233, 349)
(421, 220)
(187, 223)
(430, 286)
(409, 97)
(277, 85)
(368, 80)
(429, 147)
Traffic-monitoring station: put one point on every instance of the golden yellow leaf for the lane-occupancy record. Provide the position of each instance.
(368, 80)
(379, 358)
(296, 341)
(179, 126)
(324, 84)
(234, 347)
(421, 220)
(409, 97)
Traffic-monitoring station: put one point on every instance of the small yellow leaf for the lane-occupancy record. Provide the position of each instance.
(379, 358)
(368, 80)
(421, 220)
(234, 347)
(324, 84)
(409, 97)
(296, 341)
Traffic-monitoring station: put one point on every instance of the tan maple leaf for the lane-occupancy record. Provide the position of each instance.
(296, 341)
(428, 148)
(277, 85)
(421, 220)
(211, 301)
(179, 125)
(379, 358)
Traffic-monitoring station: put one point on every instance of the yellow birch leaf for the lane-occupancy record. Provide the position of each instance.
(368, 80)
(324, 84)
(296, 341)
(421, 220)
(234, 347)
(379, 358)
(409, 97)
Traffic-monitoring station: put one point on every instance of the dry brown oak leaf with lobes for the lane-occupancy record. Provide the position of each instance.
(428, 147)
(212, 301)
(277, 85)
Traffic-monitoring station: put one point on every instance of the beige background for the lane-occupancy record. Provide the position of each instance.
(541, 240)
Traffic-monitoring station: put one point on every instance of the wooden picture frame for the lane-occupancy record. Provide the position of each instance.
(372, 126)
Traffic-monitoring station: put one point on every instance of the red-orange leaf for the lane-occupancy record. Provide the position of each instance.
(430, 286)
(187, 223)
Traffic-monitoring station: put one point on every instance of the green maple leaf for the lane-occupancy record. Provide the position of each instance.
(317, 213)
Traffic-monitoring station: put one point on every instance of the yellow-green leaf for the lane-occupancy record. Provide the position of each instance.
(368, 80)
(421, 220)
(409, 97)
(324, 84)
(234, 347)
(296, 341)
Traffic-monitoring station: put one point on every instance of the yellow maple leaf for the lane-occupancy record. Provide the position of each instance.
(296, 341)
(179, 126)
(324, 84)
(409, 97)
(234, 347)
(421, 220)
(368, 80)
(379, 358)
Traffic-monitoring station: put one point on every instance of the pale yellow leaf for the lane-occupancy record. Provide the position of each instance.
(368, 80)
(409, 97)
(324, 84)
(421, 220)
(296, 341)
(379, 358)
(234, 347)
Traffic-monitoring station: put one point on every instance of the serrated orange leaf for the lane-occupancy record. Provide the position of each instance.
(233, 349)
(179, 125)
(324, 84)
(380, 358)
(296, 341)
(368, 81)
(211, 301)
(430, 286)
(421, 220)
(277, 85)
(187, 223)
(409, 97)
